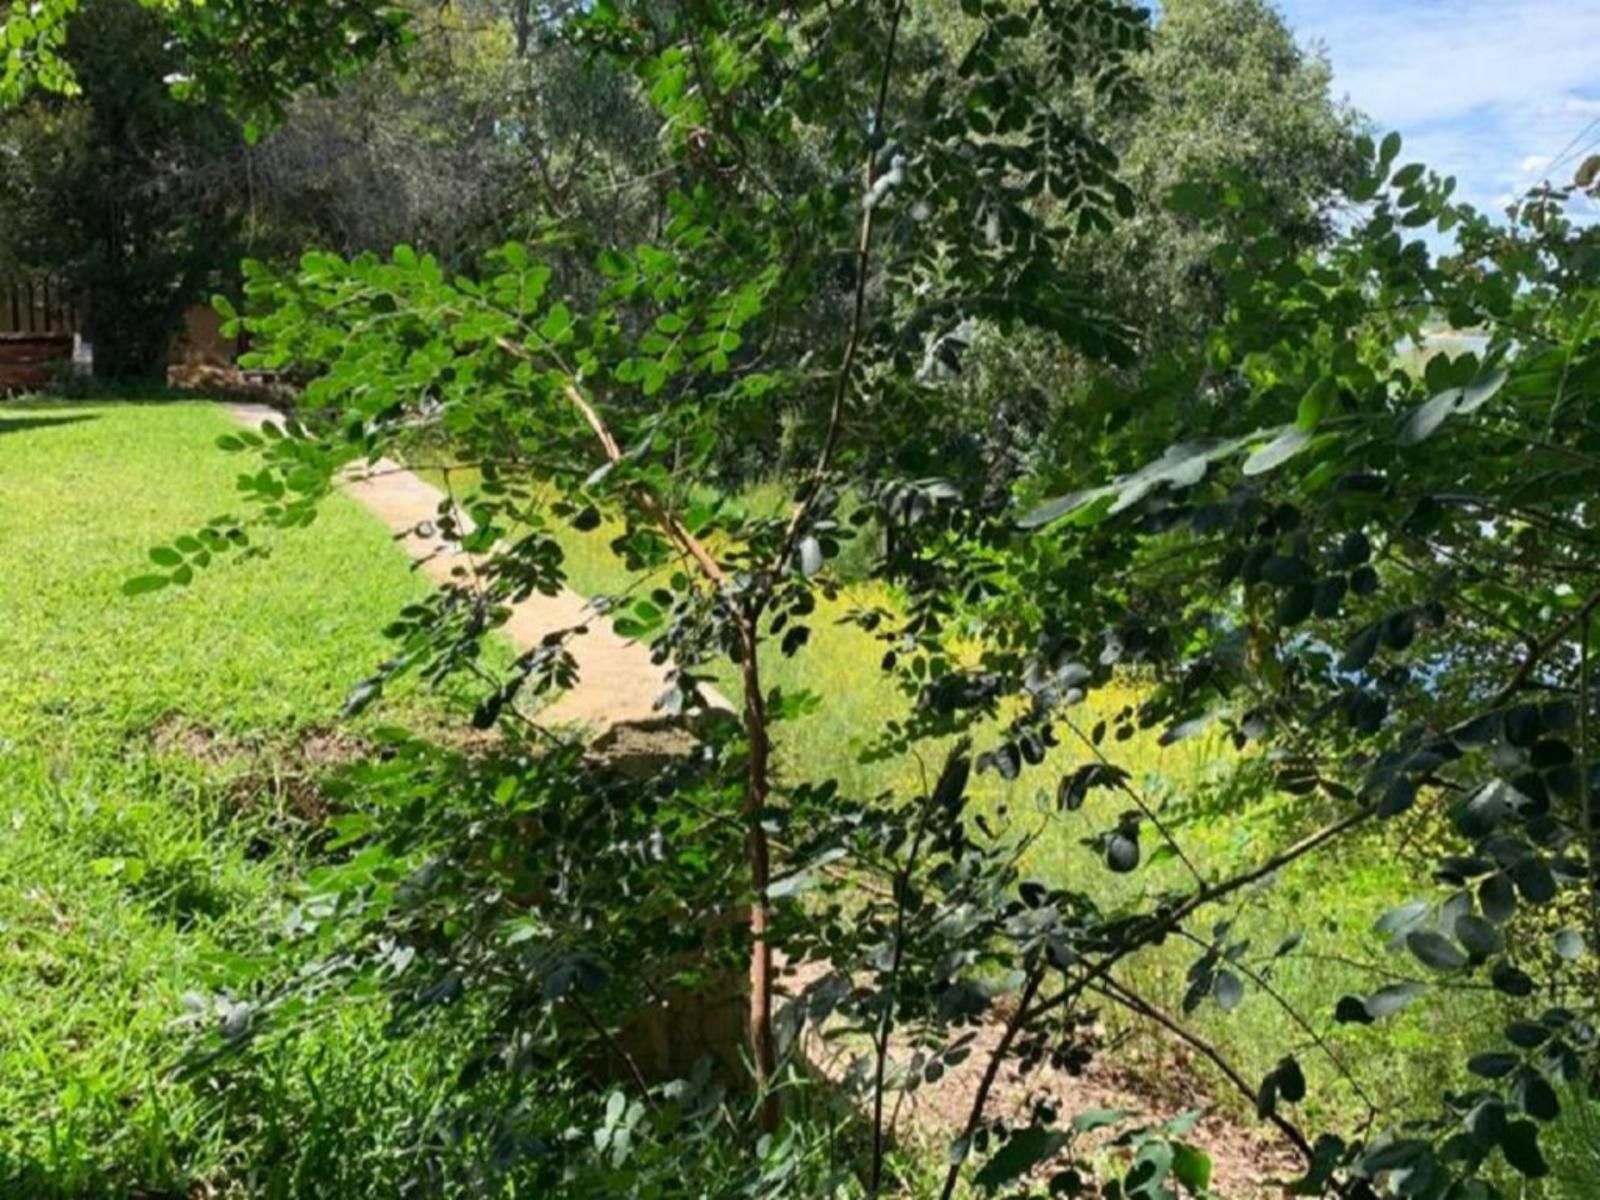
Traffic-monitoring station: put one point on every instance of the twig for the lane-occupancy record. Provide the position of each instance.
(841, 389)
(1123, 786)
(1586, 810)
(613, 1045)
(1537, 650)
(902, 888)
(1114, 991)
(1294, 1015)
(980, 1098)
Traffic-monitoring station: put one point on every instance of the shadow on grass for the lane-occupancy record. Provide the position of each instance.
(24, 424)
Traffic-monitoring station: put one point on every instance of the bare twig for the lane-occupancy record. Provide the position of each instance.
(841, 388)
(1112, 990)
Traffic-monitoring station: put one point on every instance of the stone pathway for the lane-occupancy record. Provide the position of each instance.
(617, 682)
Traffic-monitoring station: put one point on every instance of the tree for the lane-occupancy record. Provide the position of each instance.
(1228, 92)
(116, 190)
(1381, 587)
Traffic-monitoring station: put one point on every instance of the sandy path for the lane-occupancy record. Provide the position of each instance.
(617, 682)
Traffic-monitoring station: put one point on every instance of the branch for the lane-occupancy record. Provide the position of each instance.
(1165, 923)
(1128, 999)
(1150, 814)
(1537, 650)
(980, 1098)
(1158, 928)
(841, 389)
(1306, 1027)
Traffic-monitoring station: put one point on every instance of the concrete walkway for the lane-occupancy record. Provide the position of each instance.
(617, 682)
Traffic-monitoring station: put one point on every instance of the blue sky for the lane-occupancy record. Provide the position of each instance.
(1490, 91)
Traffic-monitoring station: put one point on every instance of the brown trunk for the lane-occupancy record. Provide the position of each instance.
(763, 1052)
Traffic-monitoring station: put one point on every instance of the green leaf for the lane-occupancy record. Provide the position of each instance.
(140, 585)
(1290, 441)
(1497, 896)
(1229, 990)
(1091, 1119)
(1435, 950)
(1021, 1153)
(1493, 1064)
(1479, 936)
(556, 327)
(1314, 405)
(1520, 1144)
(1192, 1167)
(1291, 1081)
(1510, 980)
(1425, 420)
(1532, 1093)
(1387, 1001)
(1192, 199)
(1569, 944)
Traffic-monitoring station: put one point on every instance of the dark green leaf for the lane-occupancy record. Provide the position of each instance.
(1493, 1064)
(1022, 1152)
(1387, 1001)
(139, 585)
(1520, 1143)
(1435, 950)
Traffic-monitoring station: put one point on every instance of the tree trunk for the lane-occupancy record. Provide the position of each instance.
(763, 1052)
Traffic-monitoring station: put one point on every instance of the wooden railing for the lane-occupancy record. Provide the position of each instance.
(38, 304)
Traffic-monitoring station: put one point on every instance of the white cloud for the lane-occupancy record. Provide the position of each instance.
(1492, 91)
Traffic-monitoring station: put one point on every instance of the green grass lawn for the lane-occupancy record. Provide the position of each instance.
(148, 800)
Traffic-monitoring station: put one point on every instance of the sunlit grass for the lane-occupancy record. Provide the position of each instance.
(127, 866)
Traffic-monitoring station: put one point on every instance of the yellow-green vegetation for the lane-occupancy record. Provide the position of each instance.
(1327, 906)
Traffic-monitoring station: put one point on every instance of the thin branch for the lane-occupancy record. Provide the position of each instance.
(1164, 923)
(1114, 991)
(841, 389)
(614, 1046)
(1295, 1015)
(991, 1072)
(1585, 799)
(1537, 650)
(902, 888)
(1150, 814)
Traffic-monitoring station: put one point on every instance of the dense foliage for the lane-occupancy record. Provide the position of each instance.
(1377, 583)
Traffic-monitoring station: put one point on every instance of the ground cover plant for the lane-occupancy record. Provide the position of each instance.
(1353, 600)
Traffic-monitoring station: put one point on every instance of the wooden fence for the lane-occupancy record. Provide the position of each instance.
(39, 316)
(38, 304)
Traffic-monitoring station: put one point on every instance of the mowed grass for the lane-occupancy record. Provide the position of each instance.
(131, 861)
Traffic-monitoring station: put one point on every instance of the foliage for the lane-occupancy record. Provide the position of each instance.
(1378, 587)
(1345, 515)
(119, 190)
(1227, 89)
(251, 57)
